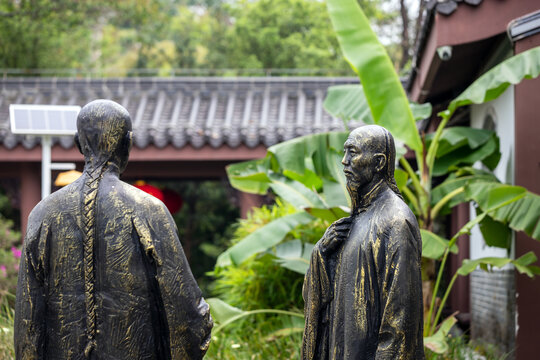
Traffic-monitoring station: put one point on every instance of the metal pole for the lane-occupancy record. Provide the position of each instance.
(45, 166)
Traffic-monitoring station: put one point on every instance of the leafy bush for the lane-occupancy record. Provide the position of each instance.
(10, 254)
(261, 282)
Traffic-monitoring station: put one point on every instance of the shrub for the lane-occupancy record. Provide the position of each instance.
(260, 282)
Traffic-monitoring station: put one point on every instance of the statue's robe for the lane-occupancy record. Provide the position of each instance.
(363, 300)
(148, 303)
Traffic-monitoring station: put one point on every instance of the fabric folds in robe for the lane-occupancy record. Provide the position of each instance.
(148, 303)
(364, 299)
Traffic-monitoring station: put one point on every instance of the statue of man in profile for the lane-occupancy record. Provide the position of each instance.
(363, 291)
(103, 274)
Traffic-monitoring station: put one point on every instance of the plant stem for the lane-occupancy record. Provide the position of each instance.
(445, 297)
(432, 151)
(436, 289)
(407, 167)
(409, 194)
(435, 210)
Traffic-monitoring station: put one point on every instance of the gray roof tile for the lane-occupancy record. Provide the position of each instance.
(179, 111)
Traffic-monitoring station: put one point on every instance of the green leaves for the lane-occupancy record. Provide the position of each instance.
(437, 342)
(294, 255)
(510, 205)
(434, 246)
(249, 176)
(348, 102)
(262, 239)
(465, 146)
(225, 314)
(368, 58)
(494, 82)
(522, 264)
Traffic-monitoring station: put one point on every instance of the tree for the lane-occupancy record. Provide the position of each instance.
(281, 34)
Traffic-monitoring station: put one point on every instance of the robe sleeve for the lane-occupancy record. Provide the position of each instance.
(187, 314)
(30, 307)
(400, 333)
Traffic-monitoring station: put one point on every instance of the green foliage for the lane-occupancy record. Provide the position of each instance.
(281, 34)
(459, 348)
(10, 254)
(203, 222)
(348, 102)
(369, 60)
(7, 350)
(260, 281)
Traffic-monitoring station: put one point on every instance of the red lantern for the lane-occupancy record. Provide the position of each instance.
(149, 189)
(173, 201)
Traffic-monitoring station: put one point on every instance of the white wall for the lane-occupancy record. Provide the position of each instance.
(501, 111)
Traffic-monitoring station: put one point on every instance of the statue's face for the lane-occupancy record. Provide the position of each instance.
(358, 161)
(361, 160)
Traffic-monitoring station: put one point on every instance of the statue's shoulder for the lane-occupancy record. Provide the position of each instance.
(393, 209)
(138, 199)
(62, 200)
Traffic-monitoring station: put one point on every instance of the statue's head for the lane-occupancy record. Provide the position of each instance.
(369, 157)
(104, 133)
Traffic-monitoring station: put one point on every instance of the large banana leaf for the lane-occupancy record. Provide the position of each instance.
(465, 146)
(348, 102)
(368, 58)
(291, 155)
(294, 255)
(295, 192)
(520, 210)
(456, 185)
(522, 264)
(249, 176)
(434, 246)
(494, 82)
(262, 239)
(488, 87)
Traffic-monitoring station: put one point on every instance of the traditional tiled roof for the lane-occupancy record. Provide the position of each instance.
(447, 7)
(179, 111)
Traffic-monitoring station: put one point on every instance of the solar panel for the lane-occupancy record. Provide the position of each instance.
(43, 119)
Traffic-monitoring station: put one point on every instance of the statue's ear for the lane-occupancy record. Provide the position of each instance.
(78, 143)
(380, 162)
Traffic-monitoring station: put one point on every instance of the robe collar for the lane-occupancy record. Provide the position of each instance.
(368, 198)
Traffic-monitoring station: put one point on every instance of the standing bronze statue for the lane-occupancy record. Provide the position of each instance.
(103, 274)
(363, 289)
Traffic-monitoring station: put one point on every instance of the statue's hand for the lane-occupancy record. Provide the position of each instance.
(336, 234)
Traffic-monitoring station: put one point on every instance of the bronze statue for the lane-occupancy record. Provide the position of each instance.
(103, 274)
(363, 290)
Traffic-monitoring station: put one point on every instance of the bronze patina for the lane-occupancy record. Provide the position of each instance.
(103, 274)
(363, 290)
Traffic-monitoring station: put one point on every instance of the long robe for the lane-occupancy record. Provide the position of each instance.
(364, 299)
(148, 303)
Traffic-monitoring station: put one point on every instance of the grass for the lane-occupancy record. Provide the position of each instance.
(258, 338)
(7, 350)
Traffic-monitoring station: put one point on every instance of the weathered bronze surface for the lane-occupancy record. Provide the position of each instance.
(363, 290)
(103, 274)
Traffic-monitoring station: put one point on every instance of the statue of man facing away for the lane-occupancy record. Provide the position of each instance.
(363, 291)
(103, 274)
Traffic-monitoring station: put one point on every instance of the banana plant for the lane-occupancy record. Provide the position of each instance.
(307, 171)
(447, 151)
